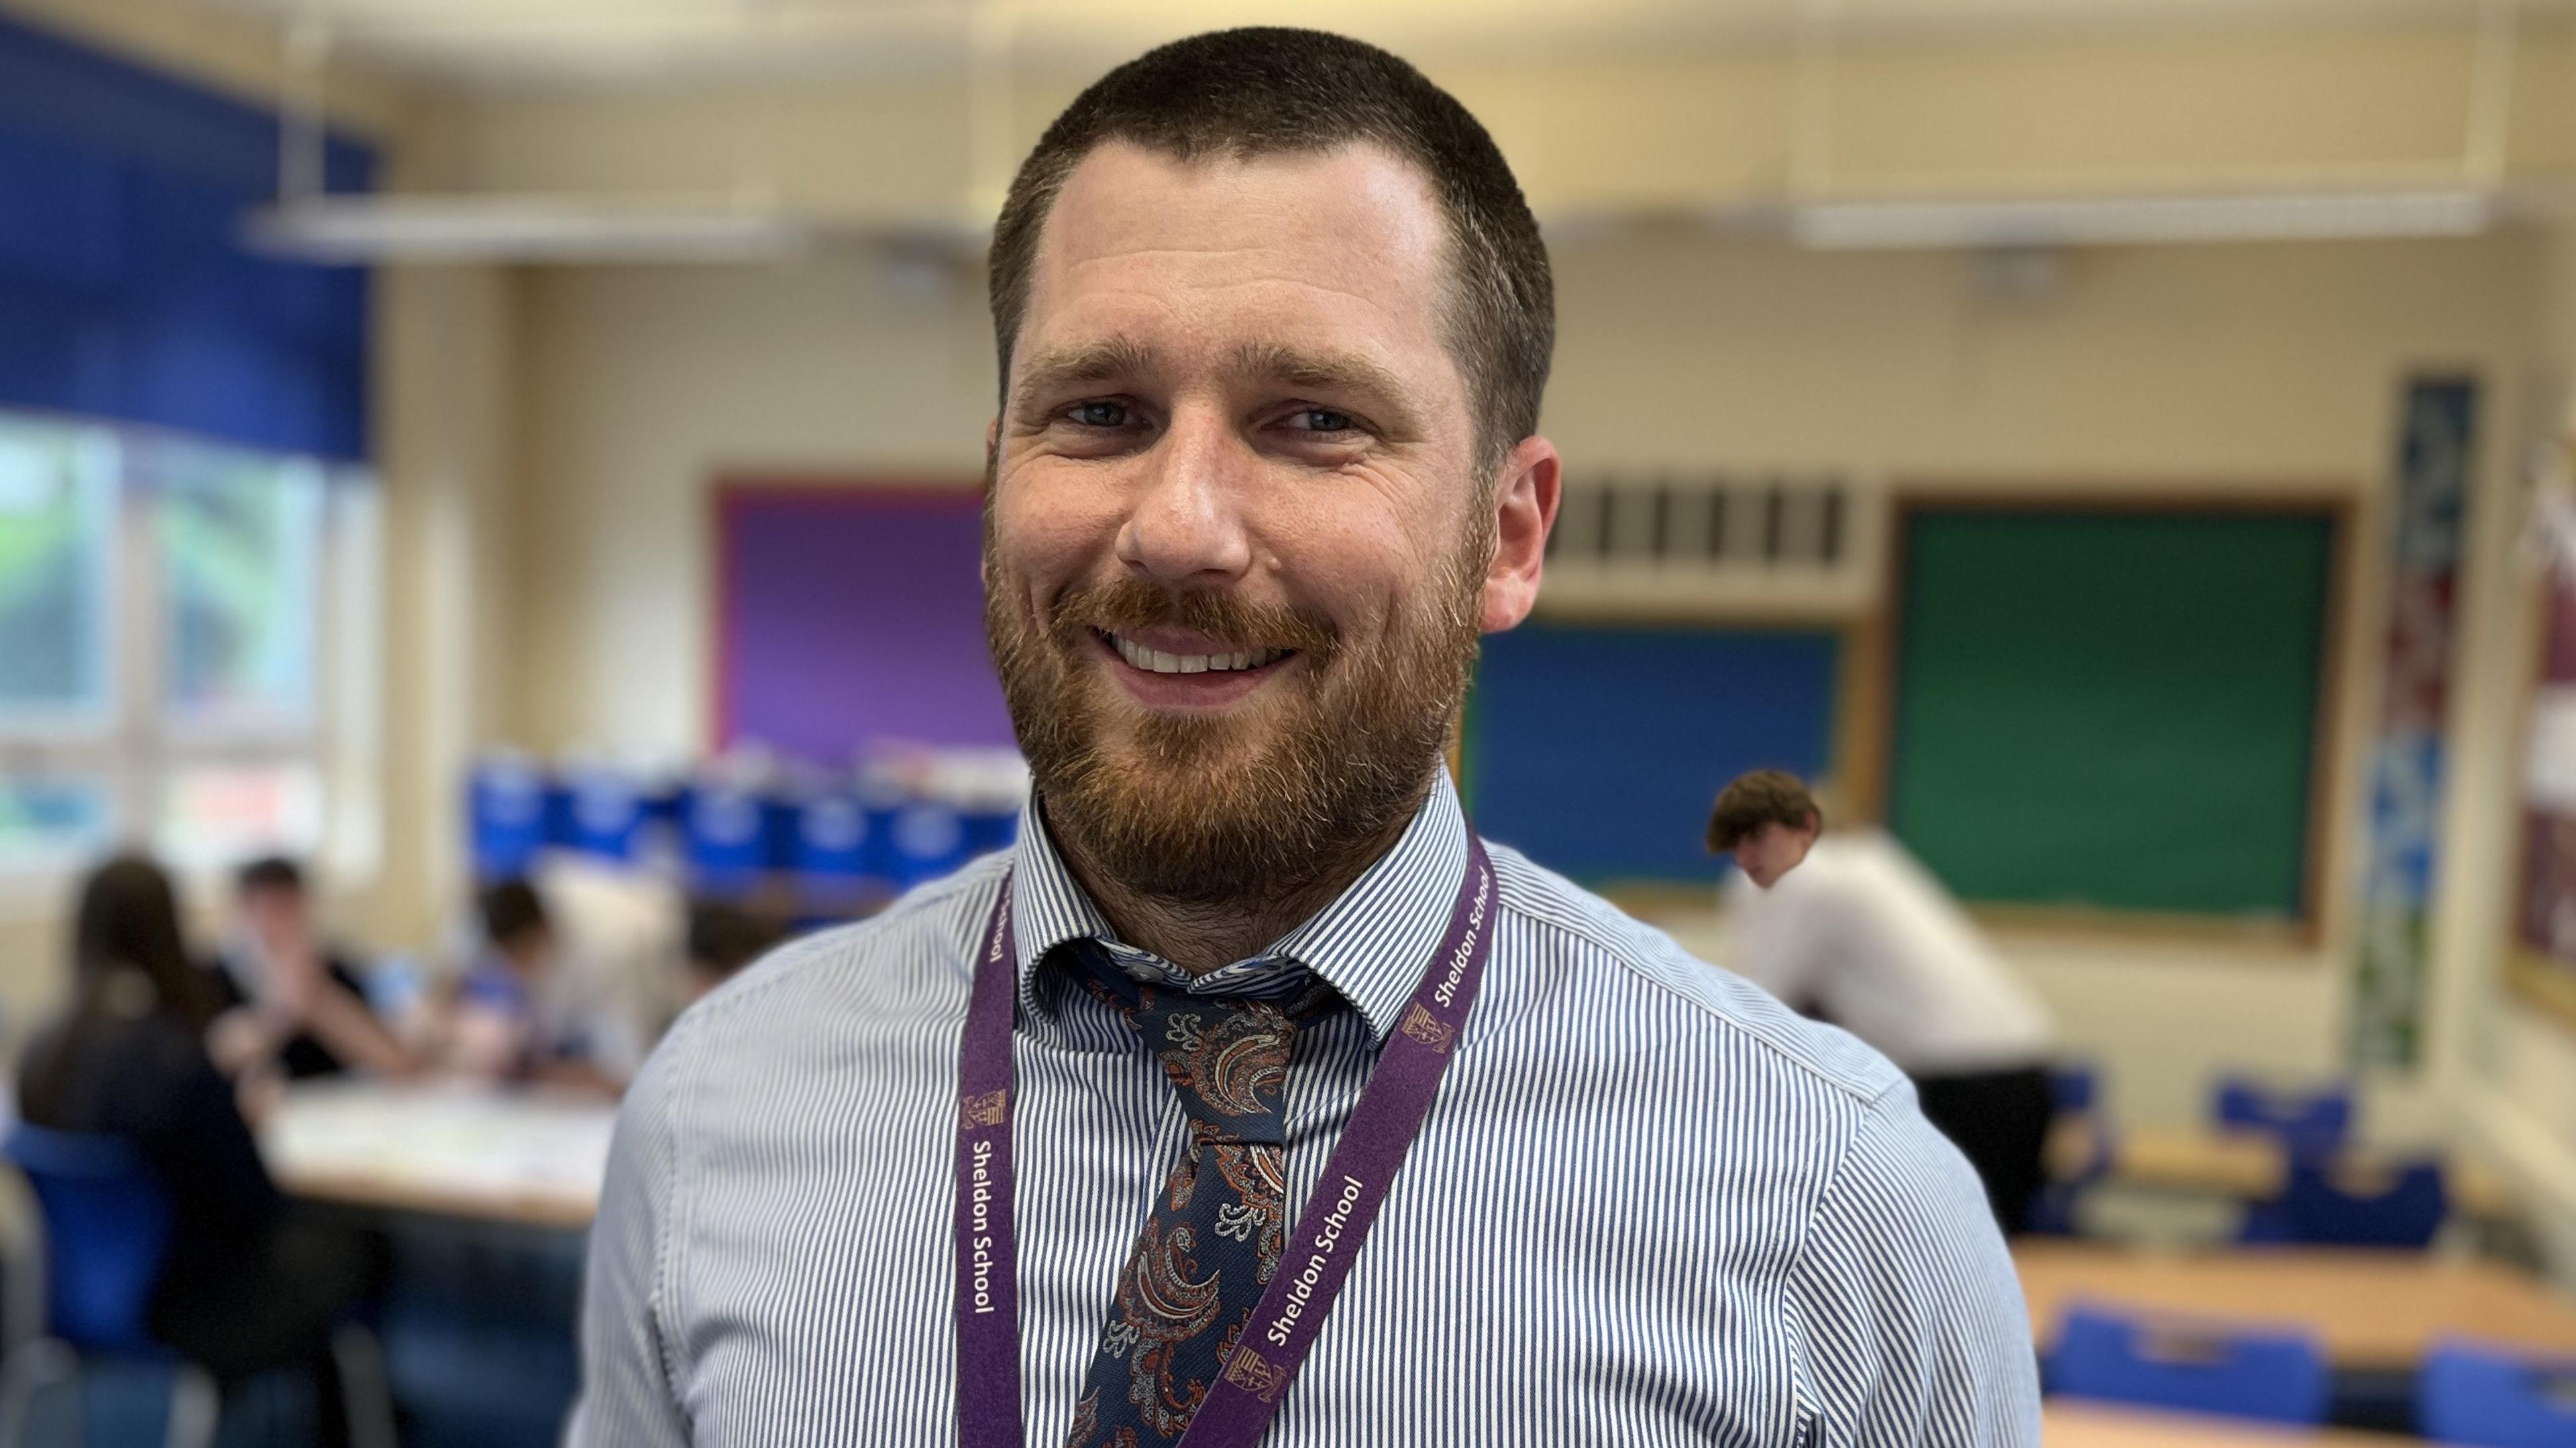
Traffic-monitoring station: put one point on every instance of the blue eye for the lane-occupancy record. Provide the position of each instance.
(1098, 414)
(1324, 419)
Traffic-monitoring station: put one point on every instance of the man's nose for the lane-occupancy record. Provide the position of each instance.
(1186, 528)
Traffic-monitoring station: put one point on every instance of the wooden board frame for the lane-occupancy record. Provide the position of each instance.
(2531, 978)
(2339, 504)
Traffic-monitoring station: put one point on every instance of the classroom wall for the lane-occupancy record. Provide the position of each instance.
(550, 435)
(2508, 1066)
(1700, 340)
(2253, 366)
(2270, 96)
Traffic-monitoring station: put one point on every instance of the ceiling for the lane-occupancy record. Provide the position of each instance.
(548, 44)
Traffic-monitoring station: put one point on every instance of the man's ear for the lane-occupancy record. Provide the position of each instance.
(1525, 499)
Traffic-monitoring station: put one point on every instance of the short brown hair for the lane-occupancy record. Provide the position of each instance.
(512, 912)
(1764, 797)
(1267, 90)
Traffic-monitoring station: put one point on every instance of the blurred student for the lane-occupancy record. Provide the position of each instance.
(722, 940)
(246, 1283)
(508, 1021)
(291, 1001)
(1851, 928)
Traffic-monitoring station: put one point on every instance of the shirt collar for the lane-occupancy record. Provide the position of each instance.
(1371, 943)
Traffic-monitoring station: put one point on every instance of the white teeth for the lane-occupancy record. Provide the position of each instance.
(1157, 662)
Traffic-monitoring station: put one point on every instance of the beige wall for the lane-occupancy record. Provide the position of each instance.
(2255, 366)
(640, 386)
(1984, 111)
(2508, 1066)
(2252, 366)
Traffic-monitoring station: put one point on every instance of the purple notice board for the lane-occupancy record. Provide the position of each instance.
(846, 614)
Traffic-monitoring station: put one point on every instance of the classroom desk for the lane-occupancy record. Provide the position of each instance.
(2242, 1164)
(2372, 1310)
(534, 1158)
(2067, 1423)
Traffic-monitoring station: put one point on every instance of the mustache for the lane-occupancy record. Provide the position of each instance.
(1130, 605)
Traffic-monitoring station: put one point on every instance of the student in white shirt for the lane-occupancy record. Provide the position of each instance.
(1850, 928)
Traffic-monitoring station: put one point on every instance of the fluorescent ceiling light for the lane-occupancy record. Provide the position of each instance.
(360, 229)
(2272, 217)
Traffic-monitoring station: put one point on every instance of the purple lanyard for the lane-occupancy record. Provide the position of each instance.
(1241, 1402)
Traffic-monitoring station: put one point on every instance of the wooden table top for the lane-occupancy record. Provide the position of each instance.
(2372, 1309)
(2069, 1423)
(534, 1158)
(2243, 1164)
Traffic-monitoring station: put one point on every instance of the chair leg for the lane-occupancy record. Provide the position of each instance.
(364, 1393)
(196, 1408)
(36, 1364)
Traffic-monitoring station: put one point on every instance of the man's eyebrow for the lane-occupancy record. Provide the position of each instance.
(1110, 359)
(1325, 371)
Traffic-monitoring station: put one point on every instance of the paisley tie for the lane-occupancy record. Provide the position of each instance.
(1215, 1234)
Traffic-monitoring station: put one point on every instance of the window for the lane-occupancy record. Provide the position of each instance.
(57, 540)
(182, 659)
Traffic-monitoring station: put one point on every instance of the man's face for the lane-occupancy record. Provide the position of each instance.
(1239, 544)
(1773, 851)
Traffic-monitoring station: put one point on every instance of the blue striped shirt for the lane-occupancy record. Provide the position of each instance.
(1649, 1206)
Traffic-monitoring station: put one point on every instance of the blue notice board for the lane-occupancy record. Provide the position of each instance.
(1597, 750)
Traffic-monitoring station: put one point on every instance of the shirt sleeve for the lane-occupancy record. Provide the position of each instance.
(1770, 941)
(627, 1399)
(1912, 1321)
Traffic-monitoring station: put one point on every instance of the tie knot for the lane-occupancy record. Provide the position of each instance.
(1228, 1058)
(1227, 1055)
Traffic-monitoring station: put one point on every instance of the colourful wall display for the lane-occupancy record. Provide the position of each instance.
(2435, 452)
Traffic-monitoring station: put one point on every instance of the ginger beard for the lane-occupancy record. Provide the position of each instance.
(1264, 798)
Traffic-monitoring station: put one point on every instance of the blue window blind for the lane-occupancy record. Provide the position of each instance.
(124, 290)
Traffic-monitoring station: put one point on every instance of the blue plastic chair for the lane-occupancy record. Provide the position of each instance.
(505, 807)
(2303, 1121)
(2491, 1398)
(2314, 1209)
(106, 1229)
(2193, 1366)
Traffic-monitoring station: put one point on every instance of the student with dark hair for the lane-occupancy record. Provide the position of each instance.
(294, 1002)
(247, 1283)
(1850, 927)
(723, 939)
(508, 1020)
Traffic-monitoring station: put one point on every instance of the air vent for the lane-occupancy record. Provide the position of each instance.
(1685, 547)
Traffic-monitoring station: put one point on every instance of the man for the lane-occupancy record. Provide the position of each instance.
(292, 1004)
(1850, 927)
(1248, 1094)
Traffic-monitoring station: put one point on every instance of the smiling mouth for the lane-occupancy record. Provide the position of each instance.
(1157, 661)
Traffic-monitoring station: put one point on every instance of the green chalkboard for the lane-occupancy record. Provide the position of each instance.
(2111, 709)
